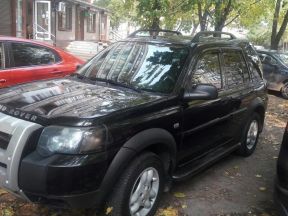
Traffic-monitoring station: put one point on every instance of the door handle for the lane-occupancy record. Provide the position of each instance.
(3, 80)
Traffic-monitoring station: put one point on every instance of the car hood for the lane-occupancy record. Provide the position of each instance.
(69, 97)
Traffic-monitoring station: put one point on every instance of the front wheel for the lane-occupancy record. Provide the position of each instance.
(250, 136)
(284, 91)
(139, 188)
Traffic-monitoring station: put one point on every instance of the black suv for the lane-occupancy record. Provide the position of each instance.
(275, 70)
(150, 109)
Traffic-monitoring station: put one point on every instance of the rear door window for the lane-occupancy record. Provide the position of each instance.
(26, 55)
(236, 71)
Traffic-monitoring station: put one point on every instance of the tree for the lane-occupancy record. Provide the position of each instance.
(120, 10)
(276, 36)
(149, 12)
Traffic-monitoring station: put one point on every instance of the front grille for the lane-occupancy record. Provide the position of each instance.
(3, 165)
(14, 134)
(4, 140)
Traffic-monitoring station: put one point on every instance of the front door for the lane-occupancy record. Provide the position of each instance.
(42, 20)
(205, 122)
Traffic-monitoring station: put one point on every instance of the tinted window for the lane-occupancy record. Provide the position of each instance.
(236, 71)
(255, 72)
(208, 70)
(267, 59)
(144, 66)
(1, 56)
(283, 57)
(29, 55)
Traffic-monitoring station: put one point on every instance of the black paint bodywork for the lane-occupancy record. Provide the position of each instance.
(281, 183)
(187, 135)
(275, 74)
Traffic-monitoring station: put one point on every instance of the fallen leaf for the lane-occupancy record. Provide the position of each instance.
(262, 188)
(109, 210)
(184, 206)
(7, 212)
(3, 192)
(168, 212)
(179, 195)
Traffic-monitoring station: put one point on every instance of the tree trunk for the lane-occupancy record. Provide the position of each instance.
(221, 14)
(156, 23)
(202, 17)
(195, 26)
(274, 44)
(276, 36)
(156, 20)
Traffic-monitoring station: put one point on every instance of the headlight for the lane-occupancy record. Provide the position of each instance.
(57, 139)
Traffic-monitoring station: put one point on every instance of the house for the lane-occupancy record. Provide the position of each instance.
(58, 22)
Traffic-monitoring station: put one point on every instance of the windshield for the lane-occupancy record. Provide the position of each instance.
(143, 66)
(283, 57)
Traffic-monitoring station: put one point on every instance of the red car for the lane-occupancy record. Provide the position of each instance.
(24, 60)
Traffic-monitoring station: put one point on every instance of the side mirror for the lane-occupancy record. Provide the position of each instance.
(201, 92)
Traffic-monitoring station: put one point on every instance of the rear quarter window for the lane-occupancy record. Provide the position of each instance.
(236, 71)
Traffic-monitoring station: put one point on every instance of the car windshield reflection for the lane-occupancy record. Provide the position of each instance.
(142, 66)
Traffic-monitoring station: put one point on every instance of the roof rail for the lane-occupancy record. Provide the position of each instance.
(215, 35)
(152, 32)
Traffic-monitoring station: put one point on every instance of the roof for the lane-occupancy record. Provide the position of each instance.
(186, 41)
(176, 38)
(173, 40)
(268, 51)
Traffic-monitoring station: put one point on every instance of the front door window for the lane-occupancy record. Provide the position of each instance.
(42, 20)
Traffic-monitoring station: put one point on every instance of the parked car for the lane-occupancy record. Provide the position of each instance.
(24, 60)
(275, 68)
(281, 183)
(144, 112)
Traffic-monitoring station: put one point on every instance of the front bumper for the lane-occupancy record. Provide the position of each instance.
(63, 180)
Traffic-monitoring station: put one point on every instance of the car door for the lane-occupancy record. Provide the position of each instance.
(4, 62)
(238, 88)
(33, 62)
(205, 120)
(269, 67)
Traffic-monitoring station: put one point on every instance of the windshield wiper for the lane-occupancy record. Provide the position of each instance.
(114, 83)
(80, 76)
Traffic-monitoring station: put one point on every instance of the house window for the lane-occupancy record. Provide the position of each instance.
(91, 23)
(65, 19)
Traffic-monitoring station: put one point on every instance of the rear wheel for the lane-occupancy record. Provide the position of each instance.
(284, 91)
(250, 136)
(139, 188)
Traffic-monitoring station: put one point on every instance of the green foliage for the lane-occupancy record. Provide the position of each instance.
(120, 10)
(187, 15)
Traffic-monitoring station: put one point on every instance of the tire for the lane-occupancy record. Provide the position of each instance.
(250, 136)
(127, 190)
(284, 91)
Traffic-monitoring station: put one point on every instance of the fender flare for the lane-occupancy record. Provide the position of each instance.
(257, 104)
(129, 151)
